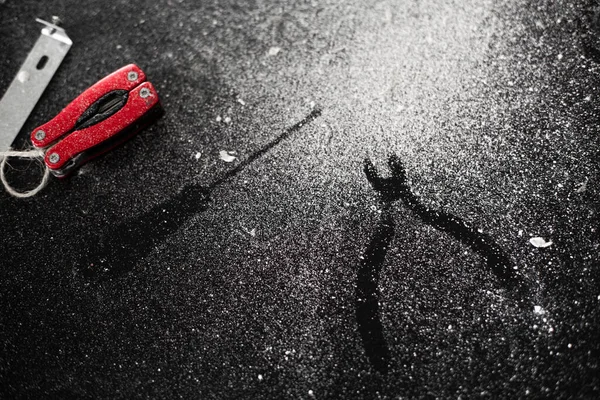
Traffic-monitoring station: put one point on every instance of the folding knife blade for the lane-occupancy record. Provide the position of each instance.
(30, 82)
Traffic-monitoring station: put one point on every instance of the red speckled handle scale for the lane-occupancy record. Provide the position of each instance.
(65, 121)
(84, 139)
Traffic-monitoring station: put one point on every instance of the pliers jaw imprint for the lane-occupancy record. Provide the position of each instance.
(392, 188)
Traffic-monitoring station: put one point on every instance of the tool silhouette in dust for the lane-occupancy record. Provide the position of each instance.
(391, 190)
(124, 245)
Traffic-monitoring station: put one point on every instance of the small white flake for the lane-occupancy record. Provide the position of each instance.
(219, 119)
(520, 232)
(227, 120)
(582, 187)
(197, 155)
(538, 310)
(251, 232)
(273, 51)
(23, 76)
(227, 156)
(540, 242)
(242, 102)
(260, 377)
(311, 393)
(560, 57)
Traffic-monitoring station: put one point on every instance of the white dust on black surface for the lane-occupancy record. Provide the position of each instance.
(468, 94)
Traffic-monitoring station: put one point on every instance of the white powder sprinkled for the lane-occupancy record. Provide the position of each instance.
(538, 310)
(227, 156)
(273, 51)
(540, 242)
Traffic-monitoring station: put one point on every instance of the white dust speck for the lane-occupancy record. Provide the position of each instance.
(538, 310)
(227, 120)
(582, 187)
(569, 345)
(23, 76)
(227, 156)
(260, 377)
(197, 155)
(119, 47)
(251, 232)
(273, 51)
(520, 232)
(540, 242)
(560, 57)
(219, 119)
(599, 297)
(242, 102)
(311, 393)
(449, 327)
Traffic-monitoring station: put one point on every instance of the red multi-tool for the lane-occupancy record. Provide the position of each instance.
(102, 117)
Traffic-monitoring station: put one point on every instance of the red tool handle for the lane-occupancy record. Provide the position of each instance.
(125, 78)
(141, 100)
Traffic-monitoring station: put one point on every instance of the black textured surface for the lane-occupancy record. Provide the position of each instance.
(371, 239)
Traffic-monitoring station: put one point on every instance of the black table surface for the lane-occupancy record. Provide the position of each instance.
(370, 238)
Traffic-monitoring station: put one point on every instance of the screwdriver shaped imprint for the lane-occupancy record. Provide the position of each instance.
(105, 115)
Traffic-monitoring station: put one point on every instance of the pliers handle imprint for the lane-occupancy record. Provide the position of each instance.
(102, 117)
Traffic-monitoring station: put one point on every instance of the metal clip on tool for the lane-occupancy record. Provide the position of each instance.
(102, 117)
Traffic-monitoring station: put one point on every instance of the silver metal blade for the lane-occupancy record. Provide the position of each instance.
(30, 82)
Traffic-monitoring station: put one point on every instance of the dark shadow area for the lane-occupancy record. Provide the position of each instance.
(588, 29)
(367, 301)
(397, 187)
(118, 251)
(367, 281)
